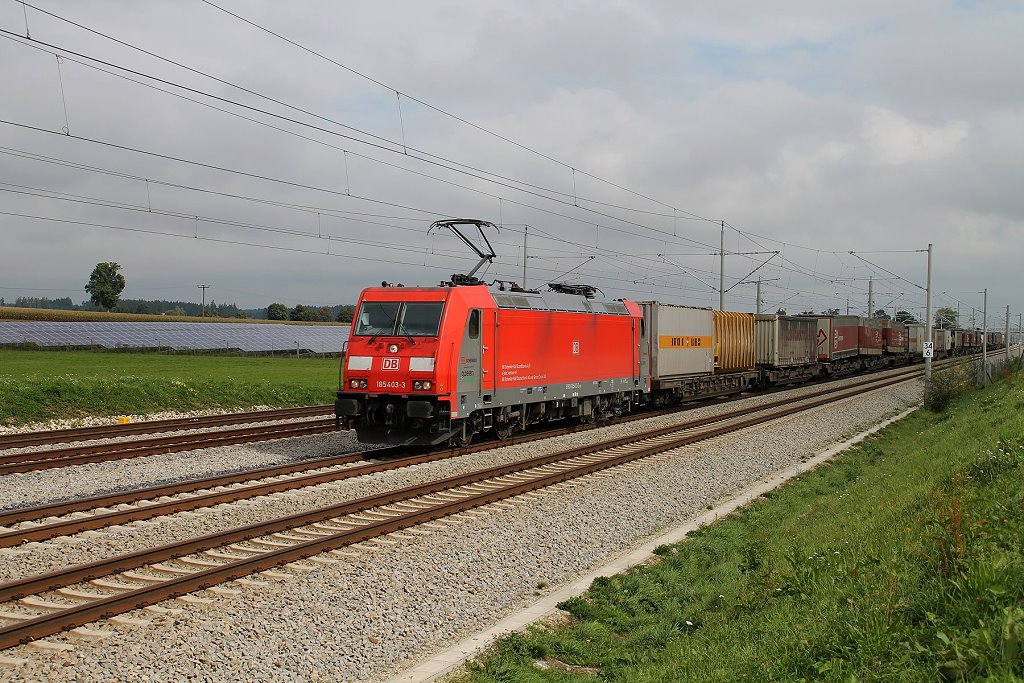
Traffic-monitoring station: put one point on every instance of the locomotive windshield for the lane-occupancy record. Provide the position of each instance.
(400, 319)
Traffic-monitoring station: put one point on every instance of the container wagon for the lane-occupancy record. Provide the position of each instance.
(786, 348)
(871, 342)
(838, 344)
(691, 352)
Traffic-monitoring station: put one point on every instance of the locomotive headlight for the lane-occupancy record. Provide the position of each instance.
(417, 385)
(392, 348)
(354, 384)
(362, 384)
(426, 384)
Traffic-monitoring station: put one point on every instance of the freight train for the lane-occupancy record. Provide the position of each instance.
(435, 365)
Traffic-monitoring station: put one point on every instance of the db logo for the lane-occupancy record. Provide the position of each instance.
(576, 348)
(389, 363)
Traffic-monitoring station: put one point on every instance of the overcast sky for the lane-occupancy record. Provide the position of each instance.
(621, 133)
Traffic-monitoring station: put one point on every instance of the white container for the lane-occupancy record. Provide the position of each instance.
(679, 341)
(786, 341)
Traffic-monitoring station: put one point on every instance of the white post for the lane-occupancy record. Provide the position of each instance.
(759, 296)
(721, 277)
(928, 318)
(1007, 332)
(871, 297)
(526, 232)
(984, 339)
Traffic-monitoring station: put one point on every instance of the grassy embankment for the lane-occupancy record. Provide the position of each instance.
(42, 385)
(903, 559)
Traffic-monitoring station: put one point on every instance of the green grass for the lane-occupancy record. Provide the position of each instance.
(902, 560)
(41, 385)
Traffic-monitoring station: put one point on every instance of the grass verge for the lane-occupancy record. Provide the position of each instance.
(902, 559)
(37, 386)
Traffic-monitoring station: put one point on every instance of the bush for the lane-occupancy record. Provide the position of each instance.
(947, 384)
(1011, 366)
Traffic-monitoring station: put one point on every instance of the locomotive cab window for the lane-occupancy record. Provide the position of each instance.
(377, 317)
(399, 318)
(420, 319)
(474, 324)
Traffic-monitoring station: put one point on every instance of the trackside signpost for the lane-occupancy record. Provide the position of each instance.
(929, 349)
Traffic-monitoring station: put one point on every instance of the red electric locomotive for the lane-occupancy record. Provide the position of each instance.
(429, 365)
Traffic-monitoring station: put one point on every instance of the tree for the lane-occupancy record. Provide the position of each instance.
(781, 311)
(346, 313)
(105, 284)
(905, 317)
(946, 318)
(321, 314)
(881, 314)
(830, 311)
(300, 313)
(277, 311)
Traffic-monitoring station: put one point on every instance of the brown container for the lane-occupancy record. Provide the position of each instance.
(734, 341)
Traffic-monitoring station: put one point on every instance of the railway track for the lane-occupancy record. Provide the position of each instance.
(44, 522)
(81, 594)
(27, 439)
(137, 448)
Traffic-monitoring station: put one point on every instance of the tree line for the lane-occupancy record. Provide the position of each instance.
(106, 284)
(323, 314)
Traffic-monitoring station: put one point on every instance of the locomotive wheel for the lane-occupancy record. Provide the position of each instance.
(504, 431)
(462, 438)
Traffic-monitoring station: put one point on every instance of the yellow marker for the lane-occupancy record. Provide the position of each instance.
(684, 342)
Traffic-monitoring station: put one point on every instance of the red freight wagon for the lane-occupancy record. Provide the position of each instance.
(426, 365)
(838, 337)
(896, 337)
(870, 336)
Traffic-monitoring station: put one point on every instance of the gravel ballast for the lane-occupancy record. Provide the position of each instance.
(373, 613)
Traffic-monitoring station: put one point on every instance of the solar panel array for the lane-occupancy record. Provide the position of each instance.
(250, 337)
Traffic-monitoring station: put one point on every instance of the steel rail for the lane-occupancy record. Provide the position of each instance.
(49, 624)
(80, 455)
(23, 439)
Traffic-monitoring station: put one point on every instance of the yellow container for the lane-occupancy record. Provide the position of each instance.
(123, 420)
(734, 341)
